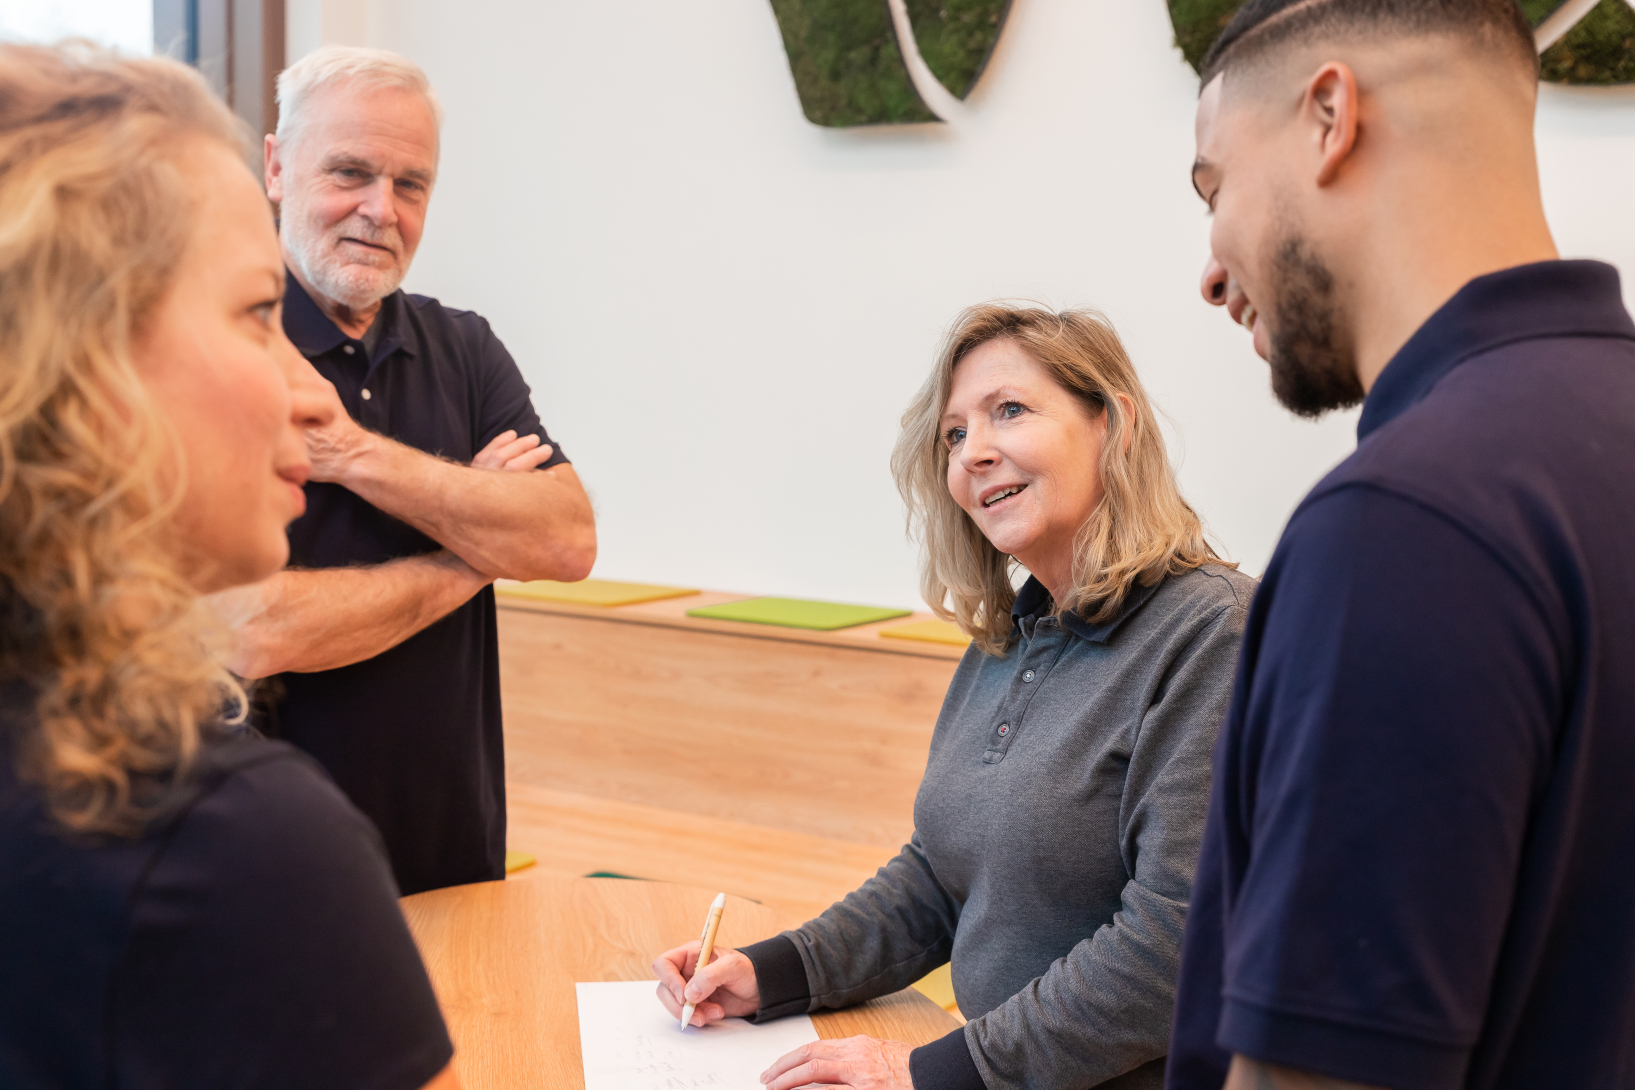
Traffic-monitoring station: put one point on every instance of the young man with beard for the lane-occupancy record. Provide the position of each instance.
(433, 478)
(1419, 867)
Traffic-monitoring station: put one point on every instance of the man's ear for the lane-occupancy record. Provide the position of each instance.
(272, 169)
(1330, 108)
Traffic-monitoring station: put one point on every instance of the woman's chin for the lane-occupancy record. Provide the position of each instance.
(1010, 542)
(1008, 531)
(273, 559)
(251, 567)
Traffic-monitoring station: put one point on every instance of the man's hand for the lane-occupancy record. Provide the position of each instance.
(860, 1063)
(334, 439)
(725, 988)
(511, 453)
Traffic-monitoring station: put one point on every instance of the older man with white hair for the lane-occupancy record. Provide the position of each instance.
(431, 477)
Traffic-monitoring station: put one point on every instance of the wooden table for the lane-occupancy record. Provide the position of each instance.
(504, 957)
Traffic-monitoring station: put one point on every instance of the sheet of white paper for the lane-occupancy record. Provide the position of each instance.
(630, 1042)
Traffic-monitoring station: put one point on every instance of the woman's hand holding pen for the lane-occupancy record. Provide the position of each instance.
(725, 988)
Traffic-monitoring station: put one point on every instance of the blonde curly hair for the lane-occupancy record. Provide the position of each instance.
(1141, 531)
(97, 622)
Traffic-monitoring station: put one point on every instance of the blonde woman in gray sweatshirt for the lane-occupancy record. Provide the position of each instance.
(1060, 817)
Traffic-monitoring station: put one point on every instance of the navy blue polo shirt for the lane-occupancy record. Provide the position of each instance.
(1419, 865)
(413, 735)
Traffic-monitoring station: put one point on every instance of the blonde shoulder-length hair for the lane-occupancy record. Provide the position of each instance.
(97, 623)
(1141, 531)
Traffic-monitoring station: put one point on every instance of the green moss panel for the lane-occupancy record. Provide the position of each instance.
(956, 38)
(847, 66)
(1198, 23)
(1600, 50)
(1538, 10)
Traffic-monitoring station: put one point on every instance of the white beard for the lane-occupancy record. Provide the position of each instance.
(354, 286)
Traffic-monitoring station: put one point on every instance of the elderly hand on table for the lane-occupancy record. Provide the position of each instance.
(857, 1063)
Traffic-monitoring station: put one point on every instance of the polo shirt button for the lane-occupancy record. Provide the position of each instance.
(1004, 729)
(1027, 675)
(348, 349)
(367, 395)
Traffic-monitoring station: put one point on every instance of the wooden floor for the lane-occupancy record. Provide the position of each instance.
(776, 765)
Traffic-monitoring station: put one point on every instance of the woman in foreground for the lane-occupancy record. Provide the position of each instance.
(1058, 823)
(180, 905)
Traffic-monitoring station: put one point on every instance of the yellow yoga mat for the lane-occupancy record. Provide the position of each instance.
(515, 861)
(797, 613)
(928, 632)
(592, 592)
(938, 986)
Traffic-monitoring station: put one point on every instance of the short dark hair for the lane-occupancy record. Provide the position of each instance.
(1262, 27)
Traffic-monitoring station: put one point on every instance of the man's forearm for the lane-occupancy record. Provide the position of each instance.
(1247, 1074)
(309, 620)
(532, 525)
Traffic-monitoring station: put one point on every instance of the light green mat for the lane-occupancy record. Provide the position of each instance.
(796, 613)
(592, 592)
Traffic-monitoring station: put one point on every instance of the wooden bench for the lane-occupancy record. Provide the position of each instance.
(777, 764)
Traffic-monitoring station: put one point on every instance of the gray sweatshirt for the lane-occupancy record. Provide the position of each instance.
(1056, 834)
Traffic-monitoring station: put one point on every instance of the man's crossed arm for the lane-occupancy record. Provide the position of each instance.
(500, 517)
(500, 514)
(328, 618)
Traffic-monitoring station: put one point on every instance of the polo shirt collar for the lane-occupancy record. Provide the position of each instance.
(310, 329)
(1033, 598)
(1528, 302)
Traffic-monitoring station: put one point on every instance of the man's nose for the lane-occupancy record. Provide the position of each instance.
(1214, 283)
(380, 203)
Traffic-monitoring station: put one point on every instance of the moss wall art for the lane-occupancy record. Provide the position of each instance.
(848, 69)
(848, 65)
(1198, 23)
(956, 38)
(1598, 51)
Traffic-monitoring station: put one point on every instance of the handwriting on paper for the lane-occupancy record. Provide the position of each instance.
(630, 1042)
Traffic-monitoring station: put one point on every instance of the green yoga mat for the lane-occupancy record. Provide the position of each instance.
(797, 613)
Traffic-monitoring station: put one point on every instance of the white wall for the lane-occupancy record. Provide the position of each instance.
(723, 309)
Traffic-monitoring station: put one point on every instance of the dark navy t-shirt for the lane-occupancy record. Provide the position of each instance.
(253, 939)
(414, 735)
(1419, 866)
